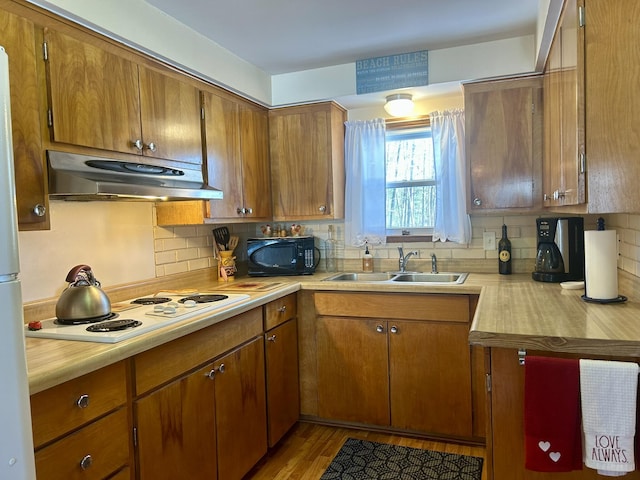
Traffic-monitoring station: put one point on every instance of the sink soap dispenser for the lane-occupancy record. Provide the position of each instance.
(367, 260)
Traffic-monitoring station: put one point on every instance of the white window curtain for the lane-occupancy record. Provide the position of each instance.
(365, 191)
(452, 222)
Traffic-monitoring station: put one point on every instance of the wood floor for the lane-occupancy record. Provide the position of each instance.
(308, 449)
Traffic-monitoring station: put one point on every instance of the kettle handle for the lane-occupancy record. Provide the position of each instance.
(73, 273)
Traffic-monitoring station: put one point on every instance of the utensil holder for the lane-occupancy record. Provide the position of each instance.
(226, 261)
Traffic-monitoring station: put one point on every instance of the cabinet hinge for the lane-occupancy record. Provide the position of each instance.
(202, 113)
(45, 51)
(49, 118)
(487, 379)
(135, 437)
(581, 21)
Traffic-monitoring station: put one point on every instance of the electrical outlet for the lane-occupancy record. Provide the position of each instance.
(489, 240)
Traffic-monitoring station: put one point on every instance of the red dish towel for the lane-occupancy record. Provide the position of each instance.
(553, 439)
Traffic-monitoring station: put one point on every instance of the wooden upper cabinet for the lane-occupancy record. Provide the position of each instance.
(93, 95)
(307, 161)
(563, 162)
(170, 116)
(100, 99)
(237, 137)
(504, 144)
(17, 36)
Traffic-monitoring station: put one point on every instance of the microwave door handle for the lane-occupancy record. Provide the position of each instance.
(317, 250)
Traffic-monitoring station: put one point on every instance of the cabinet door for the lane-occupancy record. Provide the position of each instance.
(353, 370)
(307, 167)
(93, 95)
(256, 177)
(18, 39)
(283, 393)
(176, 429)
(504, 161)
(552, 157)
(572, 189)
(241, 410)
(170, 116)
(224, 167)
(430, 384)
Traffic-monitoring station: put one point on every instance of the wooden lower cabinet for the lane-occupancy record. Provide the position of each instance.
(81, 427)
(241, 413)
(208, 423)
(93, 452)
(505, 443)
(176, 429)
(411, 372)
(283, 390)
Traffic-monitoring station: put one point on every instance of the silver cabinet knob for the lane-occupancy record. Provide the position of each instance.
(240, 211)
(322, 208)
(282, 309)
(39, 210)
(477, 202)
(151, 147)
(86, 462)
(83, 401)
(379, 329)
(138, 144)
(221, 368)
(211, 375)
(393, 329)
(248, 210)
(272, 338)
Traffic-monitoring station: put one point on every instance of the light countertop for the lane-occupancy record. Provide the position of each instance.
(513, 312)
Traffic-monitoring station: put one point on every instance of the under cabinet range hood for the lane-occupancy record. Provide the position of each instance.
(87, 177)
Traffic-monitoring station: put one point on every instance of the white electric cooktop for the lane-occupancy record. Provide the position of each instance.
(132, 319)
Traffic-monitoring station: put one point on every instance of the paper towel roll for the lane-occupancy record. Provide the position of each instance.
(600, 264)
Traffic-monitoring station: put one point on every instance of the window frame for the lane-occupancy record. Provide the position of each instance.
(404, 124)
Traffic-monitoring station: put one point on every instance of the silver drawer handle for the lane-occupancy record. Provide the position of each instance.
(86, 462)
(272, 338)
(83, 401)
(282, 309)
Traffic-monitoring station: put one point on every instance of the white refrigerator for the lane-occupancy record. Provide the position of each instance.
(16, 443)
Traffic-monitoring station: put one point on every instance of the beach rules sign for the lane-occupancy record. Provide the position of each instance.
(392, 71)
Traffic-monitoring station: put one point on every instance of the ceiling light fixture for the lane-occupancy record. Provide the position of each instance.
(399, 104)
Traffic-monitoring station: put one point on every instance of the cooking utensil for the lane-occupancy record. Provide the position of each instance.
(83, 298)
(221, 236)
(233, 242)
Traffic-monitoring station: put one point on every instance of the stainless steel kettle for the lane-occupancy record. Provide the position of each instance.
(83, 299)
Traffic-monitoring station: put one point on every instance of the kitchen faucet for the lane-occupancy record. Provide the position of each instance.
(434, 263)
(402, 262)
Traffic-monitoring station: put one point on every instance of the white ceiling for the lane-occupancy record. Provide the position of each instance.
(281, 36)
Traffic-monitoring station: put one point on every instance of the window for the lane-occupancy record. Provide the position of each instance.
(410, 179)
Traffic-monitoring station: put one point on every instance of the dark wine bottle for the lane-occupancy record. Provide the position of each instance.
(504, 253)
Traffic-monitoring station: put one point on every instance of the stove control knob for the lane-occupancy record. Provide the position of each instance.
(189, 303)
(169, 310)
(83, 401)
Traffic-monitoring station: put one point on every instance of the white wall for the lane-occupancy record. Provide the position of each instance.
(114, 238)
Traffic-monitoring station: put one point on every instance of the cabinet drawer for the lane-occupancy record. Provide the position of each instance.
(69, 405)
(279, 311)
(159, 365)
(451, 308)
(106, 441)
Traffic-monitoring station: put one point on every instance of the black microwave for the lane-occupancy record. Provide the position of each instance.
(282, 256)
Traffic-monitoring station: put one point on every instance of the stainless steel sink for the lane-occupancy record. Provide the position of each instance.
(446, 278)
(360, 277)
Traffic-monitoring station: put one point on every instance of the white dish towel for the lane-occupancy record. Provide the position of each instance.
(608, 392)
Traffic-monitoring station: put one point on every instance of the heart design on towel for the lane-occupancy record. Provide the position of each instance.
(544, 446)
(555, 456)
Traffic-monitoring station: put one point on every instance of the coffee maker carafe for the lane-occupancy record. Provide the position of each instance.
(560, 255)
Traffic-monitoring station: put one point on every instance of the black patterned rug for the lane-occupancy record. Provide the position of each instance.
(364, 460)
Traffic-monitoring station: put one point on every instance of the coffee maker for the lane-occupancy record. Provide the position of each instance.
(560, 255)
